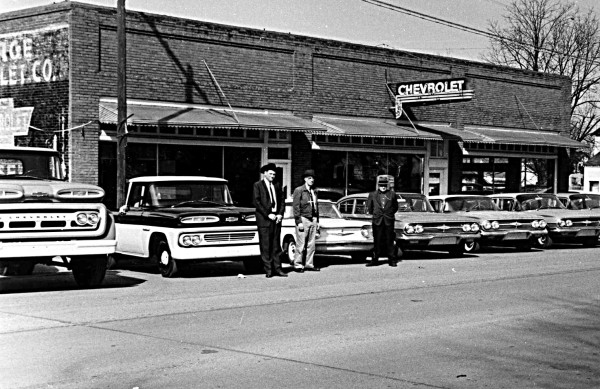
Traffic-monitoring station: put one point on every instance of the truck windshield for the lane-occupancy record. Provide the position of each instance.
(190, 193)
(30, 165)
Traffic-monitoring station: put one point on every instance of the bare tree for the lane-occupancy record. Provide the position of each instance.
(555, 37)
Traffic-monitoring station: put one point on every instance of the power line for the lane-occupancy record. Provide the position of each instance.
(472, 30)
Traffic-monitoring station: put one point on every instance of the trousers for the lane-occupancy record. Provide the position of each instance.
(305, 244)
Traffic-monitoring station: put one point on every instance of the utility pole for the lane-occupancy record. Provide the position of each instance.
(121, 102)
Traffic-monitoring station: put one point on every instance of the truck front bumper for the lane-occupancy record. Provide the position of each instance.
(70, 248)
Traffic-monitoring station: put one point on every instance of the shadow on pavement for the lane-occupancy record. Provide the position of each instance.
(51, 279)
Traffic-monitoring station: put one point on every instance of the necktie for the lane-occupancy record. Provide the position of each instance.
(312, 201)
(272, 193)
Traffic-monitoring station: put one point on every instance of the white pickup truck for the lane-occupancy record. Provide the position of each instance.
(44, 219)
(174, 221)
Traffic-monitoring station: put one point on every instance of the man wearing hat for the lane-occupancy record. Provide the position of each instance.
(268, 201)
(306, 216)
(383, 205)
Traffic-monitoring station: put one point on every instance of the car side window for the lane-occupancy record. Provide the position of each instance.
(436, 204)
(361, 207)
(136, 196)
(506, 204)
(346, 206)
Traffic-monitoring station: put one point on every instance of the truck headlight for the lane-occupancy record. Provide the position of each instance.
(365, 231)
(187, 240)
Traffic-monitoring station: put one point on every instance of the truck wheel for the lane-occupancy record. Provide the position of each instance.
(290, 251)
(253, 265)
(89, 271)
(166, 264)
(470, 247)
(544, 241)
(17, 268)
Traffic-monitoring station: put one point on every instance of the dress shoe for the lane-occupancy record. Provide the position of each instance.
(372, 263)
(393, 263)
(268, 275)
(299, 270)
(312, 269)
(281, 274)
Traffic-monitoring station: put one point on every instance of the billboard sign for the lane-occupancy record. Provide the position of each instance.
(34, 56)
(13, 121)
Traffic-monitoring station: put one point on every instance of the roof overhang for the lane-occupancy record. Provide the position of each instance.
(152, 113)
(499, 135)
(372, 127)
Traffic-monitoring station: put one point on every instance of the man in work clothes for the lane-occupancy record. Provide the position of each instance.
(383, 204)
(306, 216)
(268, 201)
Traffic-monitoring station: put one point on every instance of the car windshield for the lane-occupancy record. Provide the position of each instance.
(413, 203)
(326, 210)
(190, 193)
(585, 201)
(30, 165)
(530, 202)
(467, 204)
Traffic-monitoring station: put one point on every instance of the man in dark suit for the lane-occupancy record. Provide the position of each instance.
(383, 205)
(268, 201)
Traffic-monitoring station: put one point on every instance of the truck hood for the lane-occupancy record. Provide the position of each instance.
(21, 190)
(175, 213)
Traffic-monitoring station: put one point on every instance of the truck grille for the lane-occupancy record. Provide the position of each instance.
(49, 221)
(229, 237)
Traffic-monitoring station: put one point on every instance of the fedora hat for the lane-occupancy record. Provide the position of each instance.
(308, 173)
(267, 167)
(383, 181)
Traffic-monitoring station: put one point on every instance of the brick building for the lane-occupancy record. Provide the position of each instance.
(219, 100)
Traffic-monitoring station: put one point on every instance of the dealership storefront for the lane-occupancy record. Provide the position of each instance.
(215, 100)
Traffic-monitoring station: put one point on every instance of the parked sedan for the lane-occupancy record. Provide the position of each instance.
(336, 235)
(498, 228)
(418, 226)
(564, 225)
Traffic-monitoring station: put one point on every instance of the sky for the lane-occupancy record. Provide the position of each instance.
(345, 20)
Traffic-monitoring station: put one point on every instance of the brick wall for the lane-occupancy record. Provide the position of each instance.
(167, 61)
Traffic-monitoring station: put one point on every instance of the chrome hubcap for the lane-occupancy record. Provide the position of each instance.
(164, 258)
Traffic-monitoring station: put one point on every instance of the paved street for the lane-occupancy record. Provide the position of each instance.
(499, 319)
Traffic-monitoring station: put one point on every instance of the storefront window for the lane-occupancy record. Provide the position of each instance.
(190, 160)
(242, 167)
(344, 172)
(486, 175)
(537, 175)
(141, 160)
